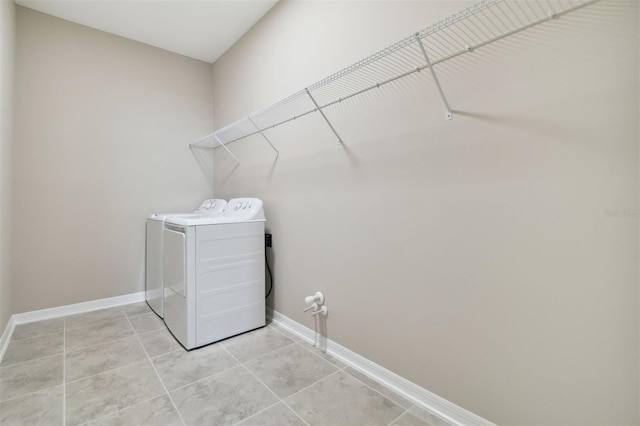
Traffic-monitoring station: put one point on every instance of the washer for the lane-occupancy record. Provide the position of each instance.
(213, 272)
(155, 225)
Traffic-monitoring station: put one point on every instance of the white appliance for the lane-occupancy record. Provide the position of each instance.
(154, 292)
(213, 271)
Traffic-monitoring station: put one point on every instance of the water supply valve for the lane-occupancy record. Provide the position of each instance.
(315, 304)
(316, 298)
(322, 311)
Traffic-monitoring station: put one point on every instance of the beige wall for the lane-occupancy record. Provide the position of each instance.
(473, 257)
(102, 129)
(7, 40)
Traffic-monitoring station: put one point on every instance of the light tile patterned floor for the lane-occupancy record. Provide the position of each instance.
(120, 366)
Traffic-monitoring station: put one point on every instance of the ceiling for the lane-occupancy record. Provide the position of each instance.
(200, 29)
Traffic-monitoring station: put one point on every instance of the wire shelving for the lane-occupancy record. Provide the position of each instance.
(465, 31)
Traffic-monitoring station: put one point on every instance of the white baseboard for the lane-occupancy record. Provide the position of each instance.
(77, 308)
(62, 311)
(419, 395)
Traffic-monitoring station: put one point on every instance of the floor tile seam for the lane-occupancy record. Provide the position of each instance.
(175, 407)
(79, 348)
(275, 394)
(286, 404)
(30, 360)
(107, 342)
(103, 322)
(287, 334)
(29, 393)
(378, 392)
(294, 343)
(265, 385)
(312, 384)
(149, 331)
(123, 409)
(277, 328)
(166, 353)
(267, 353)
(311, 349)
(105, 371)
(401, 414)
(139, 315)
(314, 350)
(203, 378)
(259, 412)
(296, 413)
(13, 339)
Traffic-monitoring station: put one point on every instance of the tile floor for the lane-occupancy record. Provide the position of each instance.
(120, 366)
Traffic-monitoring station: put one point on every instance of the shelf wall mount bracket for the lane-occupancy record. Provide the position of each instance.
(264, 136)
(324, 116)
(448, 114)
(227, 149)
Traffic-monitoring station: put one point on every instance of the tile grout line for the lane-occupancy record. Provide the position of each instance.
(105, 371)
(364, 384)
(265, 354)
(268, 388)
(31, 360)
(201, 379)
(116, 412)
(156, 371)
(314, 383)
(103, 343)
(100, 322)
(401, 414)
(314, 349)
(259, 412)
(34, 337)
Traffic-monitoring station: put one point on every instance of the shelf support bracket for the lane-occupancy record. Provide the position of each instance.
(324, 116)
(264, 136)
(225, 147)
(435, 77)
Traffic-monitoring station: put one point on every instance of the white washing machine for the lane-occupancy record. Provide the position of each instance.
(213, 271)
(154, 292)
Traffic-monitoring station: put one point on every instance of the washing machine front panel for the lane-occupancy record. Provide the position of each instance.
(230, 280)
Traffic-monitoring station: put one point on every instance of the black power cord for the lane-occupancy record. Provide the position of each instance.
(266, 260)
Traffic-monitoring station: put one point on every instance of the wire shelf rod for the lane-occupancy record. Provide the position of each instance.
(324, 116)
(264, 136)
(435, 77)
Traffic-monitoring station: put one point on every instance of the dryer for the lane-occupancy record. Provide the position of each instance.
(154, 291)
(213, 272)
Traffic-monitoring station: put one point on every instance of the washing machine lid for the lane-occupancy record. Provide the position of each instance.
(237, 210)
(209, 206)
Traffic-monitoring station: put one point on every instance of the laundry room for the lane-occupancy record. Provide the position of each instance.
(439, 199)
